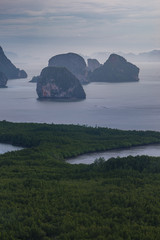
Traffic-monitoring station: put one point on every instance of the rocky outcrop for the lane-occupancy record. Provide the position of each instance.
(22, 74)
(59, 83)
(93, 64)
(3, 80)
(73, 62)
(9, 69)
(34, 79)
(115, 69)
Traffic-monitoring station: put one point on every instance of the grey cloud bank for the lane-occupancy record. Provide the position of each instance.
(49, 27)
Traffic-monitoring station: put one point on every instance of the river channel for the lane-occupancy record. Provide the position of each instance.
(150, 150)
(8, 148)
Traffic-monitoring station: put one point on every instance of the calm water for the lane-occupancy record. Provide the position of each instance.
(120, 105)
(150, 150)
(8, 148)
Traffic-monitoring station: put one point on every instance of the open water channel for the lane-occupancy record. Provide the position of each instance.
(150, 150)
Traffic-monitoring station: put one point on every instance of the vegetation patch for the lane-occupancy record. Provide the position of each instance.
(43, 197)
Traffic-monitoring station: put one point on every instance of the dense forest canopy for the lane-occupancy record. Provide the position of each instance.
(72, 140)
(43, 197)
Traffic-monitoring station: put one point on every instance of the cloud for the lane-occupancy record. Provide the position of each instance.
(100, 21)
(41, 7)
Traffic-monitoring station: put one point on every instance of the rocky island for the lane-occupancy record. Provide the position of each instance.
(73, 62)
(34, 79)
(93, 64)
(9, 69)
(115, 69)
(3, 80)
(59, 83)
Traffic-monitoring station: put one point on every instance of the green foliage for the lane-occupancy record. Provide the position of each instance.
(43, 197)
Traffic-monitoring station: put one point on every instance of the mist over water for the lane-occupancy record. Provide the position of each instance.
(120, 105)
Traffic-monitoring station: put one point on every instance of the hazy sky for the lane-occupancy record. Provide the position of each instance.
(48, 27)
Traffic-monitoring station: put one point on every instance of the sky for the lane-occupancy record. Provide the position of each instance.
(40, 29)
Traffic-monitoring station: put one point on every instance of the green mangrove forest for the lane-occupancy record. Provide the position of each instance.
(42, 197)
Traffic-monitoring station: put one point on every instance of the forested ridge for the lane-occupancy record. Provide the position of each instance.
(43, 197)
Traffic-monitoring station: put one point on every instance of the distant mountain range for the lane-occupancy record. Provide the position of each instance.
(152, 56)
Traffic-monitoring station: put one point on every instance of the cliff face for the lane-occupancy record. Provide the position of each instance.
(3, 80)
(73, 62)
(115, 69)
(9, 69)
(59, 83)
(93, 64)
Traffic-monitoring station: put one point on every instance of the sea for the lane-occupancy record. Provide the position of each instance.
(128, 106)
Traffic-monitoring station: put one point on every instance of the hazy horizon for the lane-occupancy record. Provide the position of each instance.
(30, 63)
